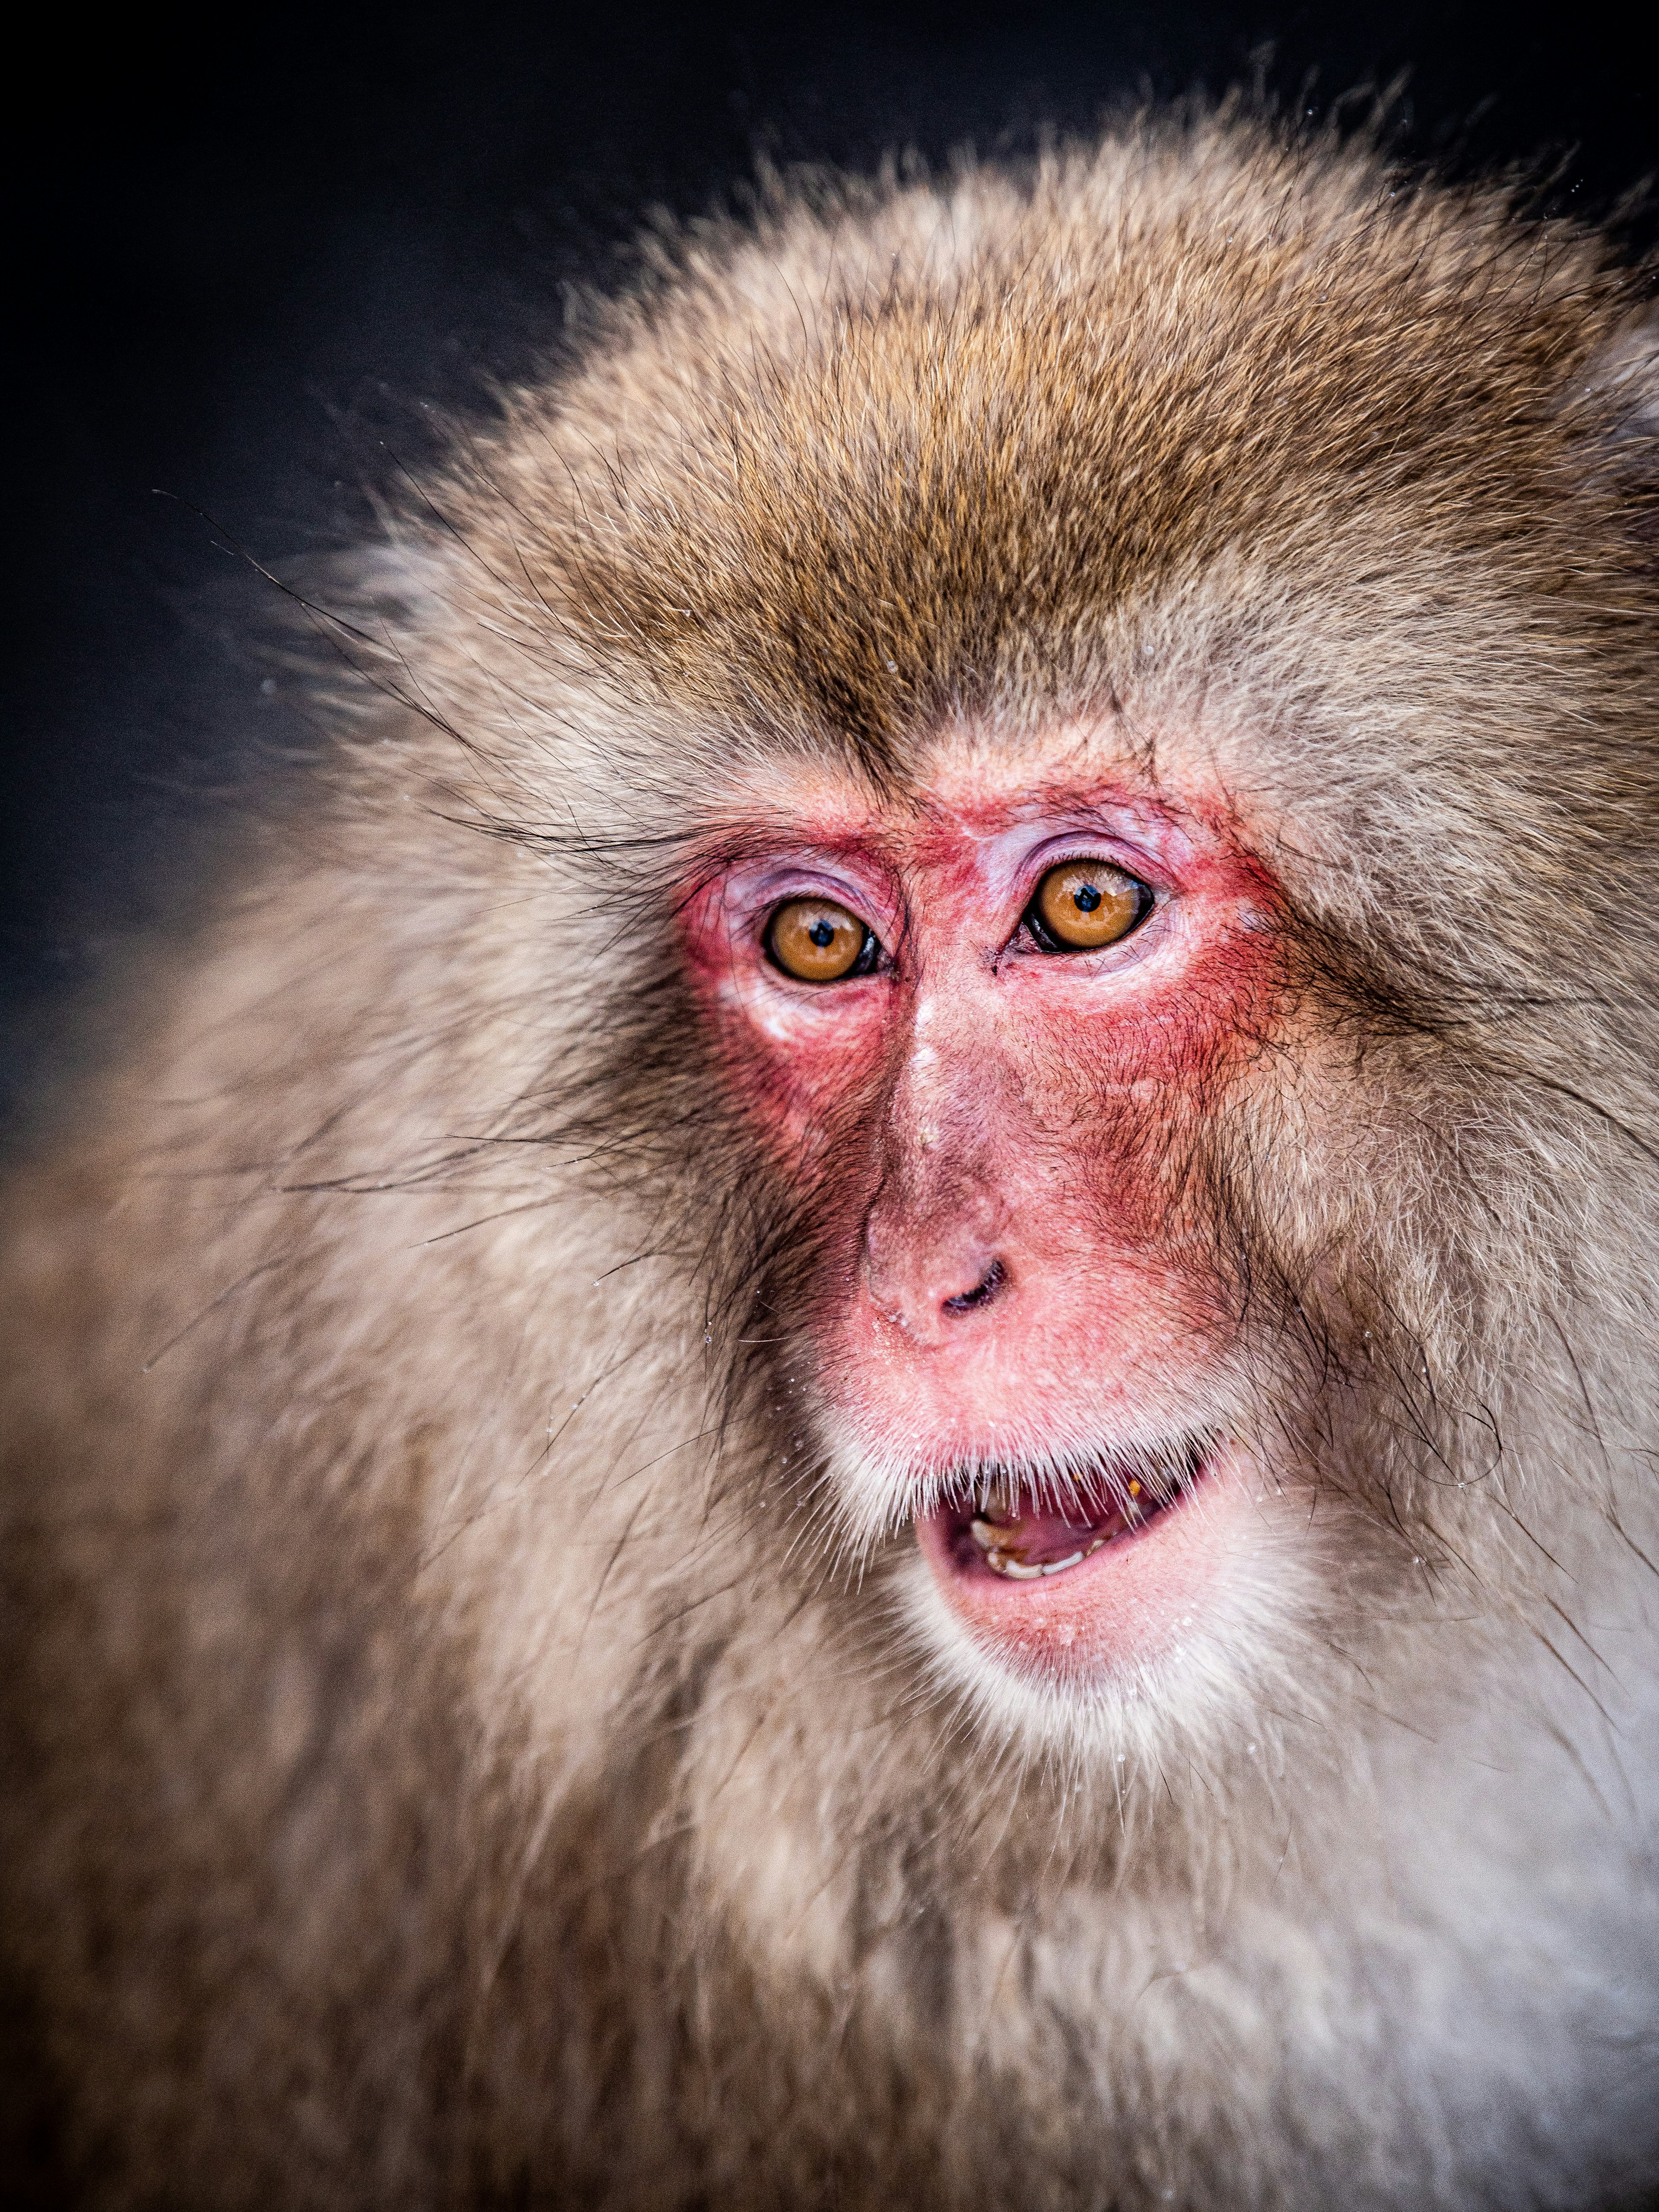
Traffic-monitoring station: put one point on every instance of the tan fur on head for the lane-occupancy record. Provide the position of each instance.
(473, 1746)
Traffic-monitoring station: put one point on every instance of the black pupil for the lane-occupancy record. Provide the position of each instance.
(822, 933)
(1086, 898)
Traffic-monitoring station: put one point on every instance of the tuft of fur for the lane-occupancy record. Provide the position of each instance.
(467, 1743)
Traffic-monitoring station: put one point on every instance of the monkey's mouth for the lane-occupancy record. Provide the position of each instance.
(1091, 1569)
(1026, 1529)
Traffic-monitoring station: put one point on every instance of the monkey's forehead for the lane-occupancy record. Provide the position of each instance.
(996, 446)
(1237, 447)
(966, 787)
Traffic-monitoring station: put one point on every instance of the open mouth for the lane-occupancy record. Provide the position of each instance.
(1081, 1570)
(1027, 1530)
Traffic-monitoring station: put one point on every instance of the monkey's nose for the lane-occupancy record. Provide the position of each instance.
(982, 1293)
(925, 1293)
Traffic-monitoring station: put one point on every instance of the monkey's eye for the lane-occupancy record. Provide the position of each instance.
(816, 941)
(1083, 904)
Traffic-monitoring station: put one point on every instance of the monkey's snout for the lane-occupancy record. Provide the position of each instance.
(923, 1291)
(982, 1293)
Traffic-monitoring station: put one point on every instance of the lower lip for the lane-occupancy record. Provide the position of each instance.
(1122, 1605)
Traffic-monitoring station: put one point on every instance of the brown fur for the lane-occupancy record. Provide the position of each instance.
(455, 1759)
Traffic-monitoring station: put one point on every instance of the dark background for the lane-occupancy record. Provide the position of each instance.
(252, 249)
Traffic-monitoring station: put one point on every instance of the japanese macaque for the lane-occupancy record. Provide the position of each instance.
(847, 1396)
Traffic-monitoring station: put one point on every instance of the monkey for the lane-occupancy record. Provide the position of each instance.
(844, 1392)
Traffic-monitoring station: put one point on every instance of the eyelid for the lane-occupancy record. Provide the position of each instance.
(1097, 846)
(753, 904)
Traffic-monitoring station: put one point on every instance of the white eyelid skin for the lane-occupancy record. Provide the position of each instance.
(1017, 860)
(752, 895)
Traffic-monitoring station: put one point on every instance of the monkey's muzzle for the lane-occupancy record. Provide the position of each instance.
(1085, 1571)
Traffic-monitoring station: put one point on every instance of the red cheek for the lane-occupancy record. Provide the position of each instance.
(1124, 1085)
(1193, 1034)
(796, 1060)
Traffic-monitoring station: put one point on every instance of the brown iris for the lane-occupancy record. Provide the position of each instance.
(816, 941)
(1083, 904)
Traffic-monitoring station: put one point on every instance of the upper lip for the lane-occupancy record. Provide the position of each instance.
(1081, 1486)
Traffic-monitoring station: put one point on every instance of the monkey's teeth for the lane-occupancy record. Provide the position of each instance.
(1003, 1561)
(1016, 1535)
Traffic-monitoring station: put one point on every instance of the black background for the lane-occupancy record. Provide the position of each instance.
(248, 248)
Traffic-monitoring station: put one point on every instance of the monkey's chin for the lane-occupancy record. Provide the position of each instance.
(1092, 1588)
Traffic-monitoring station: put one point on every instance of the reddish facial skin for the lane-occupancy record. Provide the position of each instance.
(988, 1122)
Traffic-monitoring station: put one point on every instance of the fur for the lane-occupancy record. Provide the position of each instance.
(472, 1744)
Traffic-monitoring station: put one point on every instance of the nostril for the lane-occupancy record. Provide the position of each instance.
(982, 1293)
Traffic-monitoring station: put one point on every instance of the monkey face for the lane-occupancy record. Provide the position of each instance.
(995, 1015)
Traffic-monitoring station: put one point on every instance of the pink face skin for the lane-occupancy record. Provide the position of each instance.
(994, 1134)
